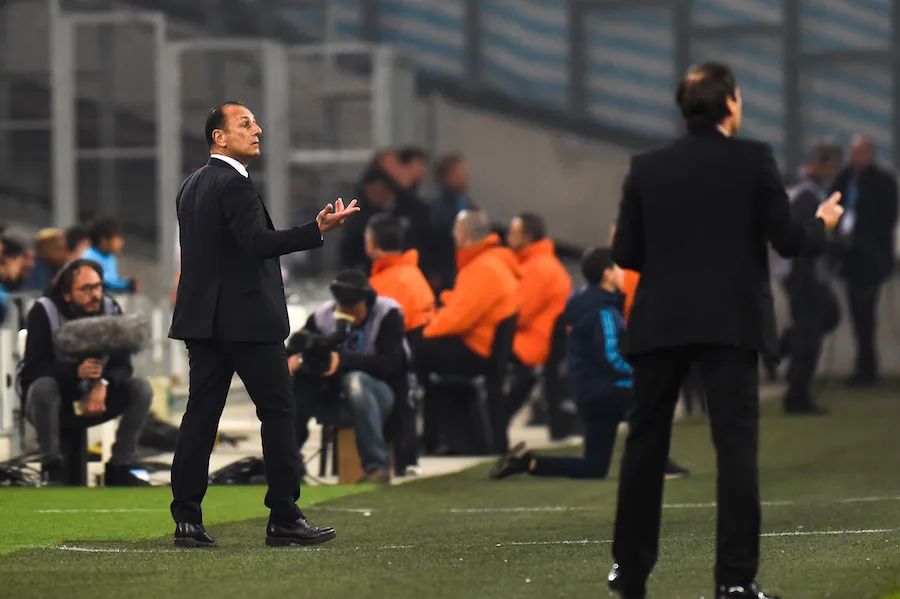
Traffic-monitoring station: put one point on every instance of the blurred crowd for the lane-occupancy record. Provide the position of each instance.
(30, 264)
(392, 184)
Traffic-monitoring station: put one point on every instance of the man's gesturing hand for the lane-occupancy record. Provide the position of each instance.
(333, 215)
(830, 211)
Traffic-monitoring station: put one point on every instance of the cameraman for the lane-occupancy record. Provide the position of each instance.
(52, 383)
(353, 348)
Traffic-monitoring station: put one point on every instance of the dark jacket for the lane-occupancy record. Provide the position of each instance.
(407, 207)
(443, 217)
(809, 268)
(595, 362)
(867, 254)
(42, 360)
(231, 286)
(697, 214)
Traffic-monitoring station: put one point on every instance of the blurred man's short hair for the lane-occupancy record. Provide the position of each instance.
(476, 224)
(445, 164)
(595, 262)
(13, 247)
(533, 226)
(104, 227)
(703, 93)
(75, 235)
(48, 233)
(825, 151)
(411, 153)
(387, 231)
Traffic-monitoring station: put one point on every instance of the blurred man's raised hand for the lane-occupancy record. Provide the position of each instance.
(831, 211)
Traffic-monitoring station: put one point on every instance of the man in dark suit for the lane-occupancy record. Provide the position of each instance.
(231, 313)
(807, 281)
(866, 247)
(696, 214)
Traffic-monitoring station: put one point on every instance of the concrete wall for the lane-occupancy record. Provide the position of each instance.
(518, 166)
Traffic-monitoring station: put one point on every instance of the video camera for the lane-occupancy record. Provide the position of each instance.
(316, 349)
(349, 288)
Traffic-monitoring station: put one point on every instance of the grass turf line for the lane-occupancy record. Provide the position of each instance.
(412, 545)
(50, 515)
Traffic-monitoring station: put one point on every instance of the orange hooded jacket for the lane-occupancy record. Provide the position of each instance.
(543, 291)
(629, 288)
(483, 296)
(397, 276)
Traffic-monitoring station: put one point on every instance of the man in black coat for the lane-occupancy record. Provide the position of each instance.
(866, 247)
(696, 214)
(230, 311)
(807, 281)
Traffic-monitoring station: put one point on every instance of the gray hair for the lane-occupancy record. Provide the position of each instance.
(475, 223)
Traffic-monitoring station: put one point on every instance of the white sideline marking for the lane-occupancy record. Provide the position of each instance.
(346, 510)
(579, 542)
(803, 533)
(668, 506)
(494, 510)
(100, 511)
(110, 549)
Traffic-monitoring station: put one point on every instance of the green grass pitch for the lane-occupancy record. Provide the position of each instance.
(832, 520)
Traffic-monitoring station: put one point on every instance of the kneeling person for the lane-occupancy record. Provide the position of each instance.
(353, 346)
(106, 387)
(600, 376)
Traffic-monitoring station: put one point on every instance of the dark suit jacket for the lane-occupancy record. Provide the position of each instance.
(867, 256)
(694, 221)
(231, 286)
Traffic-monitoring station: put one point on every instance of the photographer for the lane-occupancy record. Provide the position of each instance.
(58, 389)
(353, 348)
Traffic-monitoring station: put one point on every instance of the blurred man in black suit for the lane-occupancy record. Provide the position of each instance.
(866, 247)
(807, 281)
(231, 313)
(696, 214)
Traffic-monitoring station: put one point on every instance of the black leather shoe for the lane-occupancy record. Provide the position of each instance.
(754, 591)
(192, 535)
(615, 584)
(297, 533)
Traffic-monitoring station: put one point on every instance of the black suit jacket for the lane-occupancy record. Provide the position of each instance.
(867, 254)
(694, 220)
(231, 287)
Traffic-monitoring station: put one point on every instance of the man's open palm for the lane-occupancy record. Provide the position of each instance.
(333, 215)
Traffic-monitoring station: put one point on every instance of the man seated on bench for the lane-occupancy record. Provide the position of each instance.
(543, 291)
(395, 273)
(459, 338)
(352, 347)
(105, 389)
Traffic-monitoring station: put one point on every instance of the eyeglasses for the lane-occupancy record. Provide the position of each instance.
(90, 288)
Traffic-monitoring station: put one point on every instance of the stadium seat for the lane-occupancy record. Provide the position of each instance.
(482, 422)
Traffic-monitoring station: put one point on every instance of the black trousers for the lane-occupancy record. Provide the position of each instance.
(447, 356)
(863, 300)
(730, 376)
(263, 369)
(814, 313)
(601, 417)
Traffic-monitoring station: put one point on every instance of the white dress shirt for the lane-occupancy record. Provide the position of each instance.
(237, 165)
